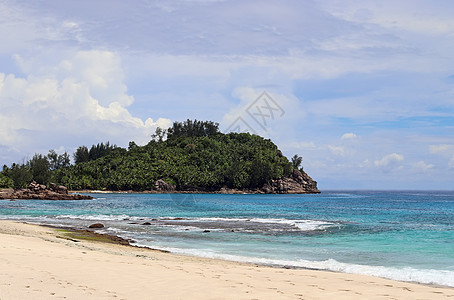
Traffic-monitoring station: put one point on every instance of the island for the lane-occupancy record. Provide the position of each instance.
(189, 157)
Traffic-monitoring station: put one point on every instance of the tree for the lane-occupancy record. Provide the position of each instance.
(159, 134)
(296, 161)
(20, 175)
(64, 160)
(191, 128)
(5, 182)
(81, 155)
(194, 156)
(132, 145)
(58, 161)
(40, 168)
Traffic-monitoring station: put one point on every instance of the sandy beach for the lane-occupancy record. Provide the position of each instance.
(41, 263)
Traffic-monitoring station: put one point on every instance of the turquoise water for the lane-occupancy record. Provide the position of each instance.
(399, 235)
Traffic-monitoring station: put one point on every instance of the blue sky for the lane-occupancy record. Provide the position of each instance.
(365, 88)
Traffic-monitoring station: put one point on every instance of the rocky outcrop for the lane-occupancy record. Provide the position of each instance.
(299, 183)
(41, 192)
(162, 186)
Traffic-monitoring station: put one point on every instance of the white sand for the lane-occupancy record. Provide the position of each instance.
(36, 264)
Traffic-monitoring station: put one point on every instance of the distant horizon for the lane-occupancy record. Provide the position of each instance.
(391, 190)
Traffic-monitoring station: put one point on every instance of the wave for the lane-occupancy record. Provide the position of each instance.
(304, 225)
(96, 217)
(423, 276)
(284, 224)
(251, 225)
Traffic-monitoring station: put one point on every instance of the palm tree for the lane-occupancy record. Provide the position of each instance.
(296, 161)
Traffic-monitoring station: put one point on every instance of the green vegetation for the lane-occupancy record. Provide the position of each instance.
(296, 161)
(40, 169)
(194, 156)
(78, 235)
(96, 151)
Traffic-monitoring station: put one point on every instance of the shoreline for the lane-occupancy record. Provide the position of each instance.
(136, 272)
(118, 240)
(222, 192)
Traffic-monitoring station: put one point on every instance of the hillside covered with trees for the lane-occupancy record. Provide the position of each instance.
(189, 156)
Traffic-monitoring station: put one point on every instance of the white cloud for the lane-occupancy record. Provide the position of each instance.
(446, 152)
(338, 150)
(451, 163)
(443, 148)
(347, 136)
(262, 111)
(422, 166)
(301, 145)
(85, 95)
(389, 159)
(365, 164)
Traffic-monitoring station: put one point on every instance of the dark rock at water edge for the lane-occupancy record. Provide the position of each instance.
(41, 192)
(96, 225)
(298, 183)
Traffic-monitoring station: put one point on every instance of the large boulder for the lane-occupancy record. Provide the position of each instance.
(58, 188)
(62, 189)
(162, 186)
(299, 183)
(6, 193)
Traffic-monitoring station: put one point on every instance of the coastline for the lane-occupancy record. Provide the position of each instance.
(39, 262)
(223, 191)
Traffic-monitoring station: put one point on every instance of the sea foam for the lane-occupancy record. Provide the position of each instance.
(424, 276)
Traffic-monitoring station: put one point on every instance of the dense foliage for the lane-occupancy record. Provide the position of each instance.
(96, 151)
(195, 155)
(40, 168)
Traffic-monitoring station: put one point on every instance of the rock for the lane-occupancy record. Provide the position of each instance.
(206, 230)
(299, 183)
(96, 225)
(53, 186)
(62, 189)
(162, 186)
(6, 193)
(41, 192)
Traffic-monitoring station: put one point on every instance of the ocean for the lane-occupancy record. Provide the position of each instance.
(405, 235)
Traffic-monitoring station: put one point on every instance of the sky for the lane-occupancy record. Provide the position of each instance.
(363, 91)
